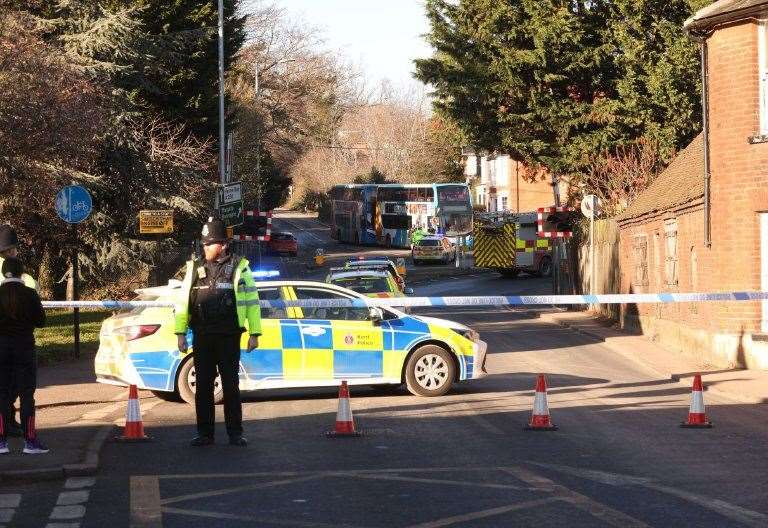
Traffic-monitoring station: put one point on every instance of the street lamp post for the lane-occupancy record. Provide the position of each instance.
(222, 131)
(258, 148)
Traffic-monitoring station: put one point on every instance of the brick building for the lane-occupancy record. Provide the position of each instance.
(688, 233)
(501, 184)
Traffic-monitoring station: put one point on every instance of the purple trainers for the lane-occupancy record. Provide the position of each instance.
(3, 447)
(34, 447)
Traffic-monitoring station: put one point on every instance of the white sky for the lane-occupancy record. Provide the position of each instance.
(382, 37)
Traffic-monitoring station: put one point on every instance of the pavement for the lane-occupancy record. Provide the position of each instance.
(74, 416)
(744, 385)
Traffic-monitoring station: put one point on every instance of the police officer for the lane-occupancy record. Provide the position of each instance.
(9, 242)
(218, 301)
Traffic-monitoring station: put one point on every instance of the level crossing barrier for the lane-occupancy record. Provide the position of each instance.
(456, 301)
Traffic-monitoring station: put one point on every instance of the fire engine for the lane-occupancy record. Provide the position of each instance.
(510, 243)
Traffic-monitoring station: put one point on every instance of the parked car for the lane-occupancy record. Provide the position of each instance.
(433, 249)
(299, 347)
(284, 244)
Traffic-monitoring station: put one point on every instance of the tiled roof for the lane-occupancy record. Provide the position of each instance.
(681, 183)
(723, 11)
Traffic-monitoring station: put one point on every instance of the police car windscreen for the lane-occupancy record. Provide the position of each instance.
(430, 242)
(364, 285)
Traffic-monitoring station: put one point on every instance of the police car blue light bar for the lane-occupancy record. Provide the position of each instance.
(265, 274)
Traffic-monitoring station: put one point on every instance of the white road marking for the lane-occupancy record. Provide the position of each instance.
(215, 493)
(470, 484)
(70, 505)
(10, 500)
(79, 482)
(263, 520)
(726, 509)
(6, 514)
(731, 511)
(68, 498)
(8, 504)
(485, 513)
(145, 502)
(67, 513)
(596, 509)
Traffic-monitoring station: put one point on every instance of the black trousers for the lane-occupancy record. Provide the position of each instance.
(210, 352)
(18, 376)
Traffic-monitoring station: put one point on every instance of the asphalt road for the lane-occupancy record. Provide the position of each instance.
(619, 458)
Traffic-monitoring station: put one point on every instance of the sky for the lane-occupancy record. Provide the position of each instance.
(381, 37)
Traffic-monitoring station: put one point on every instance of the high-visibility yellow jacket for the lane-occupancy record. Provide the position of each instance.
(28, 280)
(246, 298)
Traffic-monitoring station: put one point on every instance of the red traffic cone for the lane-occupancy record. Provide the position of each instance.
(345, 424)
(540, 420)
(134, 427)
(697, 416)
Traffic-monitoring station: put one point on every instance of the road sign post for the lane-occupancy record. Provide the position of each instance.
(74, 205)
(590, 206)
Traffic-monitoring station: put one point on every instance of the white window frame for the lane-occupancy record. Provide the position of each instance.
(762, 57)
(671, 253)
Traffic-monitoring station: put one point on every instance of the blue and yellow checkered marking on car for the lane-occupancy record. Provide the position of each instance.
(311, 349)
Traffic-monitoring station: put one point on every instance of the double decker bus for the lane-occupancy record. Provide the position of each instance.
(442, 208)
(354, 218)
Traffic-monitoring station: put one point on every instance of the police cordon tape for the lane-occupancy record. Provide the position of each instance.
(415, 302)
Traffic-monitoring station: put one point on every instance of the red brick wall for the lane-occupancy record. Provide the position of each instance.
(739, 191)
(695, 267)
(739, 172)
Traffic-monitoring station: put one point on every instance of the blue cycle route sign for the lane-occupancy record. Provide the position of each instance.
(73, 204)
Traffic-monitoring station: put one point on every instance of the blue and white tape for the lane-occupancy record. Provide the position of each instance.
(415, 302)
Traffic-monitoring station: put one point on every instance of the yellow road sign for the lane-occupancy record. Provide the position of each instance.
(155, 221)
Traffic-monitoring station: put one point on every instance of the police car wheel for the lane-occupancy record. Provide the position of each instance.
(187, 380)
(430, 371)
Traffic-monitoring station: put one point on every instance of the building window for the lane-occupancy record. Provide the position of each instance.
(670, 261)
(640, 260)
(503, 203)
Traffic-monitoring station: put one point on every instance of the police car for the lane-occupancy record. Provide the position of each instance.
(374, 263)
(299, 347)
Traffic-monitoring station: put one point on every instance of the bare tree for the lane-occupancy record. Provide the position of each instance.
(618, 177)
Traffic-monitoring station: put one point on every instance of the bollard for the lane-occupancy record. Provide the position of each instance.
(401, 266)
(319, 257)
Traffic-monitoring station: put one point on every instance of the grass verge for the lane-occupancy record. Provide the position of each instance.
(56, 342)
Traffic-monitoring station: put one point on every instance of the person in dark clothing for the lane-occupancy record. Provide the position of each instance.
(20, 313)
(218, 301)
(9, 242)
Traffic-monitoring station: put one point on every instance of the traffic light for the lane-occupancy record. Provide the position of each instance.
(556, 222)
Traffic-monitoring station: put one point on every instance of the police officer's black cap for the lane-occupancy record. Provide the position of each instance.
(8, 238)
(12, 267)
(214, 231)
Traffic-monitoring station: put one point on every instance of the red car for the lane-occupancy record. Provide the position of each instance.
(284, 243)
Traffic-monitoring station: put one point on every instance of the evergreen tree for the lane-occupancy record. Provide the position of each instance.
(184, 88)
(553, 82)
